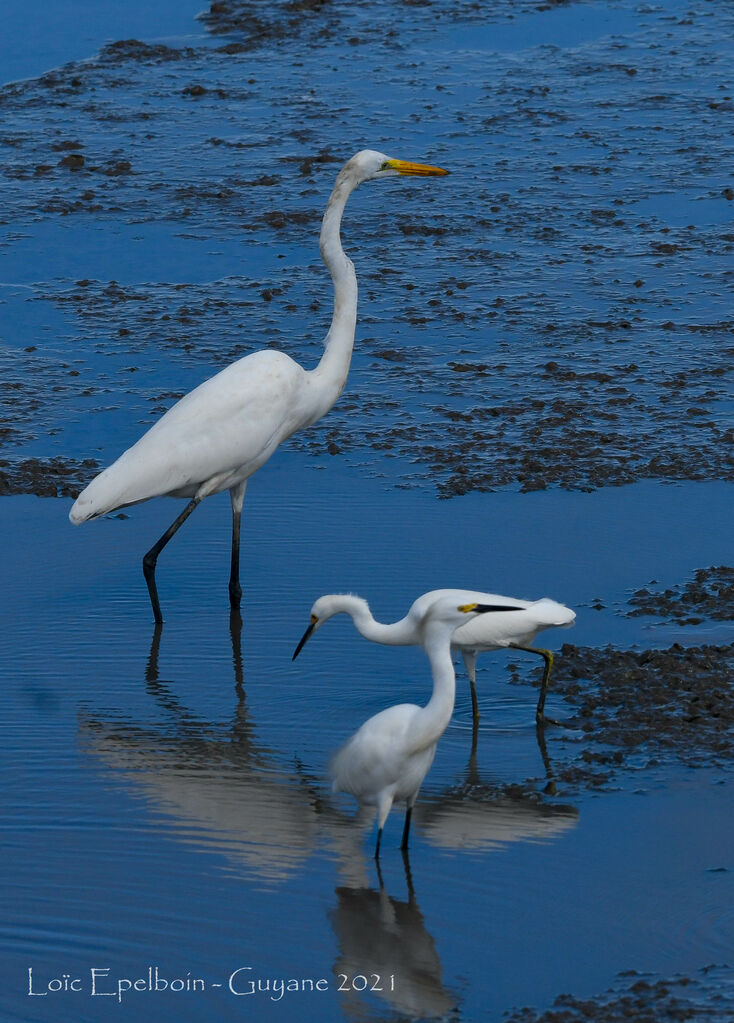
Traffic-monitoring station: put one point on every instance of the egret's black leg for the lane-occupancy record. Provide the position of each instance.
(550, 787)
(408, 876)
(547, 656)
(150, 559)
(406, 827)
(474, 738)
(474, 703)
(470, 663)
(151, 668)
(379, 874)
(377, 846)
(235, 589)
(237, 495)
(235, 633)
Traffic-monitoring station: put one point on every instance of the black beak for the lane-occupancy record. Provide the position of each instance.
(304, 639)
(484, 608)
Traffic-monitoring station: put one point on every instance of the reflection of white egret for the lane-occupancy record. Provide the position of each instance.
(389, 756)
(517, 628)
(219, 434)
(385, 939)
(218, 786)
(490, 823)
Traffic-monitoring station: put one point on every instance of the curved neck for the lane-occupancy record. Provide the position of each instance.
(334, 365)
(433, 719)
(400, 633)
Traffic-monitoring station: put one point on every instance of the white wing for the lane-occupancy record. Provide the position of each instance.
(215, 436)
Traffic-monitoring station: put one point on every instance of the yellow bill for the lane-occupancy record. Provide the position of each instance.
(420, 169)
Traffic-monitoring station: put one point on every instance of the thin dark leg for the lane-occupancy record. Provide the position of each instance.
(235, 590)
(474, 702)
(408, 876)
(151, 668)
(550, 787)
(237, 496)
(379, 874)
(377, 846)
(235, 632)
(547, 656)
(150, 559)
(406, 827)
(470, 663)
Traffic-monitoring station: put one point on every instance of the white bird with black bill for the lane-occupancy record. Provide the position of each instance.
(388, 757)
(515, 629)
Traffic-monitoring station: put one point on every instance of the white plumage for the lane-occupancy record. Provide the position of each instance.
(515, 627)
(217, 436)
(387, 758)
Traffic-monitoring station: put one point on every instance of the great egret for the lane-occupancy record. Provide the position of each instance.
(219, 434)
(516, 630)
(390, 755)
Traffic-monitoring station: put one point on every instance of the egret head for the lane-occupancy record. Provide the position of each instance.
(369, 164)
(325, 608)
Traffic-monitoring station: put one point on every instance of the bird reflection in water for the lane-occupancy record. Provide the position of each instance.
(387, 954)
(216, 786)
(222, 789)
(480, 814)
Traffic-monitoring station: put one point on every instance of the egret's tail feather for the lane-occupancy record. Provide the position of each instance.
(553, 613)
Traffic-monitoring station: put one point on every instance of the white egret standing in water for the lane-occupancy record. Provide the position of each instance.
(219, 434)
(493, 632)
(390, 755)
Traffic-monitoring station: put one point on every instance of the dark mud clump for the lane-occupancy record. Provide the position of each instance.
(705, 996)
(710, 594)
(46, 477)
(638, 708)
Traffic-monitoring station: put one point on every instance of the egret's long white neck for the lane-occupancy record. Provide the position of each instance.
(433, 719)
(402, 633)
(333, 368)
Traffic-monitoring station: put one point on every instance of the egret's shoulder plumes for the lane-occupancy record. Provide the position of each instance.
(218, 435)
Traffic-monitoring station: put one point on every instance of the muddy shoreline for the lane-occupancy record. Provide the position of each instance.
(555, 321)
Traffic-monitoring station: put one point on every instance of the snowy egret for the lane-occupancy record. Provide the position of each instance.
(516, 630)
(219, 434)
(388, 757)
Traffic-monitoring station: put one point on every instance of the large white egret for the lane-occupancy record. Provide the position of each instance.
(516, 627)
(388, 757)
(219, 434)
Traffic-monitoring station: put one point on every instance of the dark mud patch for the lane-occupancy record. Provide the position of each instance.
(707, 995)
(637, 709)
(710, 594)
(46, 477)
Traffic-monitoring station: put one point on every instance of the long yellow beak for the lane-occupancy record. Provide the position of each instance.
(421, 169)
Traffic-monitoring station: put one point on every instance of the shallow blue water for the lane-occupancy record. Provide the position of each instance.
(38, 36)
(163, 817)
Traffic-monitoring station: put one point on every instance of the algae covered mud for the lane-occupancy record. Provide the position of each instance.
(552, 322)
